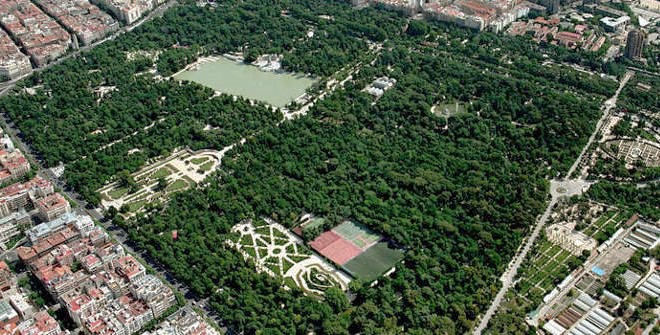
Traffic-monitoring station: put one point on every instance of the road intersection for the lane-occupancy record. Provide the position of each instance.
(558, 189)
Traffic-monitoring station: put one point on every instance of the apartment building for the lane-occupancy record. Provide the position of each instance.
(13, 201)
(103, 289)
(42, 37)
(87, 21)
(10, 225)
(7, 278)
(157, 296)
(13, 165)
(52, 206)
(129, 268)
(129, 11)
(184, 322)
(13, 63)
(41, 324)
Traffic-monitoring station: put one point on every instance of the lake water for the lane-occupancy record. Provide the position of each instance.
(236, 78)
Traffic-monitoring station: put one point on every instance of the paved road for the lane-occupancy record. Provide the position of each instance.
(82, 206)
(512, 269)
(115, 231)
(7, 86)
(558, 189)
(644, 71)
(569, 188)
(607, 109)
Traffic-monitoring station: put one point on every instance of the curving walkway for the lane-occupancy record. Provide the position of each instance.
(268, 244)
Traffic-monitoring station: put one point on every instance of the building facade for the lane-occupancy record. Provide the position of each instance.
(52, 206)
(13, 63)
(635, 44)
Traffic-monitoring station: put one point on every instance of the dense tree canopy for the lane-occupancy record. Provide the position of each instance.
(457, 192)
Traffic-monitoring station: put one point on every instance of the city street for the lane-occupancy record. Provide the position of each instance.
(6, 87)
(607, 107)
(82, 206)
(116, 232)
(558, 189)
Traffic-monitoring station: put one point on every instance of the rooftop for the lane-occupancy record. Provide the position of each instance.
(52, 201)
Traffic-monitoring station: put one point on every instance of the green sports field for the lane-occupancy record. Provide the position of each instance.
(357, 234)
(375, 261)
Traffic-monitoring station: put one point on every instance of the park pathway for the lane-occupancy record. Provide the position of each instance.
(557, 189)
(607, 109)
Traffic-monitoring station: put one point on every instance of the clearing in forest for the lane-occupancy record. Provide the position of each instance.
(448, 109)
(358, 250)
(280, 253)
(180, 171)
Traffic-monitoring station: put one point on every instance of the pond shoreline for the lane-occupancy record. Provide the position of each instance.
(275, 88)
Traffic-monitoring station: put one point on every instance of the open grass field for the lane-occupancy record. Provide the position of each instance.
(375, 261)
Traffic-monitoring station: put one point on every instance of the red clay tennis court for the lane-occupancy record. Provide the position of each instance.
(335, 248)
(324, 240)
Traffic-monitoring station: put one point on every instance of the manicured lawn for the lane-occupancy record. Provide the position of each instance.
(206, 166)
(250, 251)
(161, 173)
(298, 258)
(553, 251)
(538, 277)
(599, 225)
(246, 240)
(118, 193)
(546, 283)
(134, 206)
(374, 261)
(187, 179)
(550, 267)
(273, 267)
(563, 256)
(524, 286)
(545, 246)
(288, 281)
(198, 161)
(541, 261)
(278, 233)
(176, 186)
(286, 265)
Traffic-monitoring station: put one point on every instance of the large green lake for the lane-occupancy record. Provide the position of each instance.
(235, 78)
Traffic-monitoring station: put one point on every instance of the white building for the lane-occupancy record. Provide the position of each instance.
(10, 224)
(569, 239)
(155, 293)
(184, 322)
(652, 5)
(13, 63)
(612, 24)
